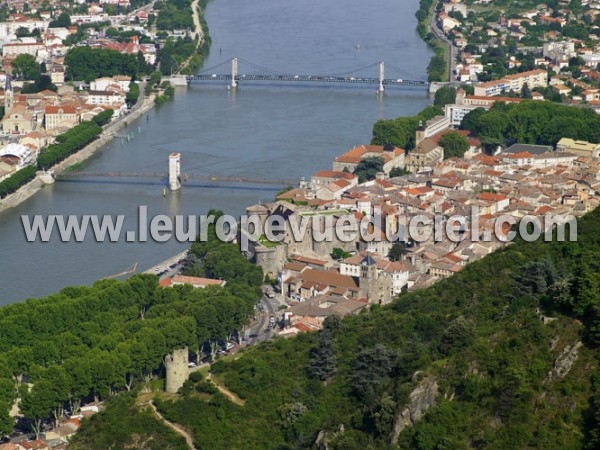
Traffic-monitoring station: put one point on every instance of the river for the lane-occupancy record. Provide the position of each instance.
(261, 130)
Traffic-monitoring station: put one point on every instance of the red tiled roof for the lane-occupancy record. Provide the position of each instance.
(334, 174)
(56, 109)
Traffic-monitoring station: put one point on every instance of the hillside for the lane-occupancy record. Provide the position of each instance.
(474, 349)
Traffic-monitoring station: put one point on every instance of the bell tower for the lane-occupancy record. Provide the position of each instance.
(8, 95)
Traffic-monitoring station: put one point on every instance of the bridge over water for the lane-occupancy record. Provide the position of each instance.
(183, 177)
(361, 75)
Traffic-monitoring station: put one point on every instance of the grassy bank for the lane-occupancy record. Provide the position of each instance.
(202, 51)
(438, 66)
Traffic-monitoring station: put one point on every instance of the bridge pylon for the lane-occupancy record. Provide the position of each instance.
(234, 72)
(380, 89)
(174, 171)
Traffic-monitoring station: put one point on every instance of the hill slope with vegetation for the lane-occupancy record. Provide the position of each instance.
(97, 342)
(502, 355)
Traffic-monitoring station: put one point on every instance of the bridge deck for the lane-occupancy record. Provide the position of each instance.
(310, 79)
(184, 177)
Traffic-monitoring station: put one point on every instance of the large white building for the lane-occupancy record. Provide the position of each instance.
(8, 30)
(24, 155)
(514, 83)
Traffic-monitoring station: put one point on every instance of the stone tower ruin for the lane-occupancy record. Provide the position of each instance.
(176, 364)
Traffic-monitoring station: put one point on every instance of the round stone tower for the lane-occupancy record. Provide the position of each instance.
(177, 370)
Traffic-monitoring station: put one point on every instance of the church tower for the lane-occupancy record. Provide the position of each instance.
(368, 279)
(8, 95)
(420, 135)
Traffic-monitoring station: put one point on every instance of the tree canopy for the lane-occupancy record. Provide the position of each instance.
(401, 131)
(87, 63)
(444, 95)
(542, 123)
(25, 67)
(368, 168)
(454, 145)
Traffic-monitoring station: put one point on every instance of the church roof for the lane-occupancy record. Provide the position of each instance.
(368, 261)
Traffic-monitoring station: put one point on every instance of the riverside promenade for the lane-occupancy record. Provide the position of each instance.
(143, 105)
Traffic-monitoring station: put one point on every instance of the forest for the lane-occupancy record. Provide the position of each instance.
(87, 343)
(527, 122)
(507, 349)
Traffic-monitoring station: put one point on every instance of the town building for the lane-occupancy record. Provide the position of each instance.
(580, 148)
(514, 83)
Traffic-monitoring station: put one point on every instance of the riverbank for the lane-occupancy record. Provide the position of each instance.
(143, 106)
(440, 67)
(31, 188)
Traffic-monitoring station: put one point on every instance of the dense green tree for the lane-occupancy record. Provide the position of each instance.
(454, 145)
(323, 359)
(471, 120)
(36, 404)
(459, 334)
(7, 422)
(87, 63)
(339, 253)
(401, 131)
(25, 67)
(396, 252)
(62, 21)
(399, 172)
(444, 96)
(368, 168)
(133, 94)
(372, 371)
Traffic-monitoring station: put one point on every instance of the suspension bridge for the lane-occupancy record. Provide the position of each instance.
(174, 178)
(372, 74)
(183, 177)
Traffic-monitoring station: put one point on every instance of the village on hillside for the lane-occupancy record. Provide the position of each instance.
(322, 278)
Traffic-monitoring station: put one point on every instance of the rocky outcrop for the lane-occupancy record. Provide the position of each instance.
(325, 437)
(423, 397)
(564, 362)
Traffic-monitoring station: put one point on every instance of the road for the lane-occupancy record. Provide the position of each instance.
(439, 33)
(131, 16)
(262, 330)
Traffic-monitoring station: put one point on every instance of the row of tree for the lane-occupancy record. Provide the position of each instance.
(73, 140)
(15, 181)
(93, 342)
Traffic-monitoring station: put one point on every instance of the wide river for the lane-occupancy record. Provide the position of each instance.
(262, 130)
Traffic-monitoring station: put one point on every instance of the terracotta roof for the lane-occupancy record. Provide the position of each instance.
(306, 260)
(490, 196)
(296, 266)
(328, 278)
(65, 109)
(197, 281)
(334, 174)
